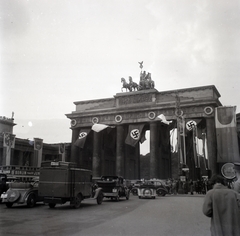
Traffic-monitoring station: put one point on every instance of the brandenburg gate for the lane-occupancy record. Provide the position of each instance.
(110, 151)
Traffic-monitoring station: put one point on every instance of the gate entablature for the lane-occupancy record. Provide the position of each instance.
(145, 106)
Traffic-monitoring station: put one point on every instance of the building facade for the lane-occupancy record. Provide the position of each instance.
(107, 152)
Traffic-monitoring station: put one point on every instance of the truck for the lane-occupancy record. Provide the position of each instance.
(61, 182)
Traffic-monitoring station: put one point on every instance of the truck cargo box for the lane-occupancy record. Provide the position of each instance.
(62, 180)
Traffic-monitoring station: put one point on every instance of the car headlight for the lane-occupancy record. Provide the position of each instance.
(114, 190)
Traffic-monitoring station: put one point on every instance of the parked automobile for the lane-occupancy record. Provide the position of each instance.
(147, 190)
(21, 193)
(113, 187)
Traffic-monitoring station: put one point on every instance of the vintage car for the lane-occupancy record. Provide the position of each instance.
(135, 187)
(147, 190)
(21, 193)
(113, 187)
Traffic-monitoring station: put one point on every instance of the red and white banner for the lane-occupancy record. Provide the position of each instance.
(80, 142)
(226, 132)
(134, 134)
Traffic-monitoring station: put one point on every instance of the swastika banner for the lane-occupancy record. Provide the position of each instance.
(134, 134)
(82, 137)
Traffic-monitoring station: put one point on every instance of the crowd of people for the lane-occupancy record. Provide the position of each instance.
(177, 186)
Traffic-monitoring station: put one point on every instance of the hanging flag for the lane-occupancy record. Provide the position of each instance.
(143, 136)
(134, 134)
(38, 144)
(82, 137)
(9, 140)
(100, 127)
(164, 120)
(195, 154)
(226, 132)
(61, 148)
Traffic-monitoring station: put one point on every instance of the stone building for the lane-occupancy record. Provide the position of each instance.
(107, 152)
(20, 157)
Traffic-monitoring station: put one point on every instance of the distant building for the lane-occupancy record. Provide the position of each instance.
(22, 157)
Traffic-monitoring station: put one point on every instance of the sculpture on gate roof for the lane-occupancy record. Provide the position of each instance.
(145, 82)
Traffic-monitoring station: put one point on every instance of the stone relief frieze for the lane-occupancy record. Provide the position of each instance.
(140, 98)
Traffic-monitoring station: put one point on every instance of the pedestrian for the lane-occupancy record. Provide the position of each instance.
(237, 172)
(222, 205)
(191, 186)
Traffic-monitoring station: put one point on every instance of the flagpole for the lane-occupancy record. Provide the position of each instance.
(179, 115)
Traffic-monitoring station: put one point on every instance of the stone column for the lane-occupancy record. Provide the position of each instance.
(153, 150)
(74, 149)
(211, 144)
(96, 163)
(120, 151)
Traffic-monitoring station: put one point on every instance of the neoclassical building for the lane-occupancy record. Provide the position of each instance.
(22, 158)
(110, 151)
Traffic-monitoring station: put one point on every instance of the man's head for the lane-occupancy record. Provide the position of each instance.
(218, 179)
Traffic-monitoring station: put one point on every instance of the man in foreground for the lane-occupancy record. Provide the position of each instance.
(222, 205)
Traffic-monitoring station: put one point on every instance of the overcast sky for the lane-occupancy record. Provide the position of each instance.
(56, 52)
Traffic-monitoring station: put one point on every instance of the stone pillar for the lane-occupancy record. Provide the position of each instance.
(120, 151)
(211, 144)
(96, 162)
(153, 150)
(74, 149)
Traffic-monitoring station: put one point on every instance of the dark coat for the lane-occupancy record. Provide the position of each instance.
(222, 205)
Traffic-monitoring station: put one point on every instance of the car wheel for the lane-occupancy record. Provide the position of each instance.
(100, 198)
(31, 201)
(117, 198)
(51, 205)
(161, 192)
(134, 191)
(77, 201)
(9, 204)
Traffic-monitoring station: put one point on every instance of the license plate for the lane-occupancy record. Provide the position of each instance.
(53, 163)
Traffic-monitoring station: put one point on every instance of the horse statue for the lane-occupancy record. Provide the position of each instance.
(134, 86)
(126, 85)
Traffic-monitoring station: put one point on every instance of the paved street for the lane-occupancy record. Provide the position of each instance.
(169, 215)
